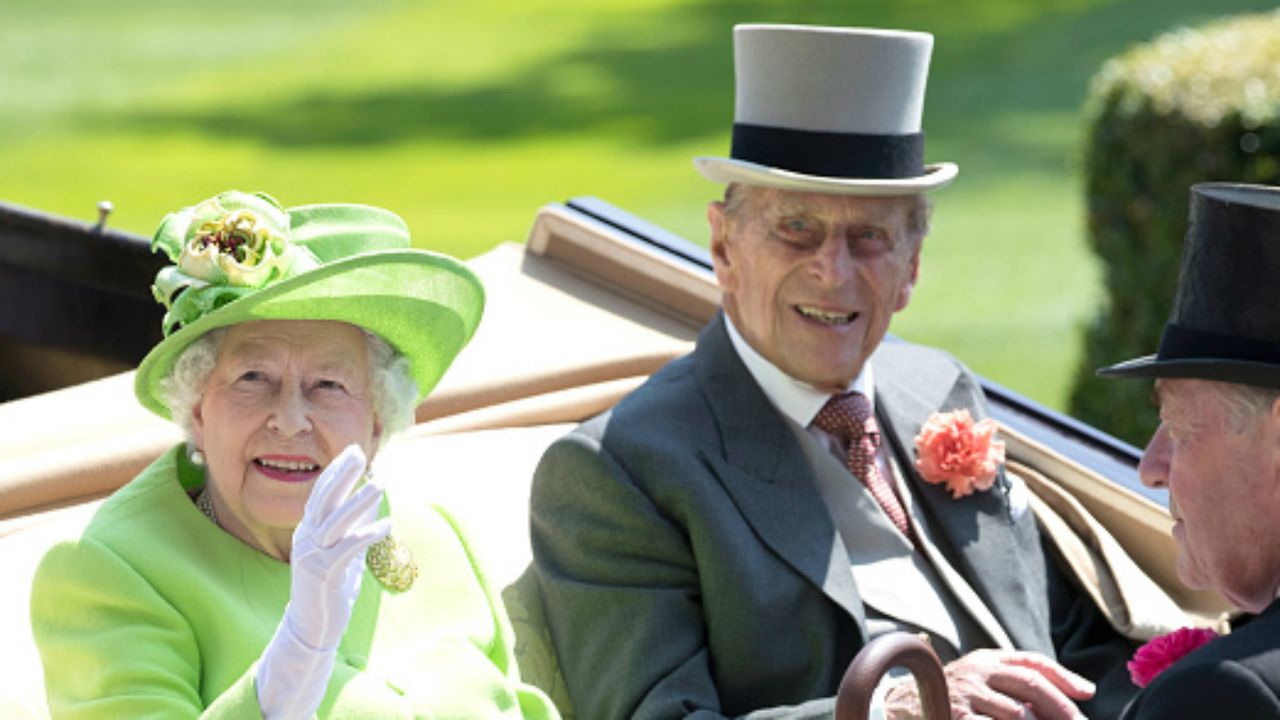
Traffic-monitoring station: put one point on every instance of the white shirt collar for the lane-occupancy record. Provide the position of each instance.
(795, 399)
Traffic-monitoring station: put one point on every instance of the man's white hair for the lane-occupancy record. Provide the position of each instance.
(391, 385)
(1245, 403)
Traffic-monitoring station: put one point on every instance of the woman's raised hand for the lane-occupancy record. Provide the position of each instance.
(327, 560)
(326, 565)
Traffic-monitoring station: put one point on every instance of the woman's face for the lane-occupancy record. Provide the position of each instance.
(284, 398)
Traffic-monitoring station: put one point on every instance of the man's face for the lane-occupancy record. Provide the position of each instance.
(811, 280)
(1224, 490)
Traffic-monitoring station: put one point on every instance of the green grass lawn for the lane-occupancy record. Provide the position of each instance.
(466, 116)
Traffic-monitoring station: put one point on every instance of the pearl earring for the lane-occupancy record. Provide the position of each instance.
(197, 458)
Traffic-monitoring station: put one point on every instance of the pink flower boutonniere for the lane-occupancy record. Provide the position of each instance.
(951, 448)
(1157, 655)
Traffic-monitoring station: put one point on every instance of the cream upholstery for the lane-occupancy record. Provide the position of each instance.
(483, 477)
(21, 677)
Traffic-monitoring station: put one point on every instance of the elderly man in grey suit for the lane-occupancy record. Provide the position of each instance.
(724, 541)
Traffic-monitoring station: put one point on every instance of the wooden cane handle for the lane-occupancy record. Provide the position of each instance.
(896, 649)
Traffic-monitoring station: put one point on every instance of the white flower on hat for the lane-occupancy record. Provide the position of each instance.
(236, 246)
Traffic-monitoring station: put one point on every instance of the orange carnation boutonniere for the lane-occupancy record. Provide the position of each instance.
(952, 449)
(1157, 655)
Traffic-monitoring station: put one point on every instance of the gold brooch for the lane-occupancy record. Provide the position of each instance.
(392, 564)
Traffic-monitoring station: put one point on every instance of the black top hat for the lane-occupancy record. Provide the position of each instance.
(1225, 323)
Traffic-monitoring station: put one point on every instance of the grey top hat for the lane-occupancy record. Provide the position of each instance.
(829, 109)
(1225, 323)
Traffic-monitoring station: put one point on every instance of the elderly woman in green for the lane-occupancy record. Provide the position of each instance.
(258, 570)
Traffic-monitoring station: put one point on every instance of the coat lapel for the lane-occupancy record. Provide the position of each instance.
(946, 570)
(765, 472)
(912, 383)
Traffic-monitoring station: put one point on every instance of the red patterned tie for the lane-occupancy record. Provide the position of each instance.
(849, 418)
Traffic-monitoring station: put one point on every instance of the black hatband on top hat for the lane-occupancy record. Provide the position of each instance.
(830, 154)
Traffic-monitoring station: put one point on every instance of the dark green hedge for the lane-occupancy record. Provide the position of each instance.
(1190, 106)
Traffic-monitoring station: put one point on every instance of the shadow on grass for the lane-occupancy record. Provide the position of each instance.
(684, 90)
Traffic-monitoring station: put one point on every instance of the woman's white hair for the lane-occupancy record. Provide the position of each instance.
(390, 382)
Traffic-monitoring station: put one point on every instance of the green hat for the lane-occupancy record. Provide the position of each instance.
(240, 257)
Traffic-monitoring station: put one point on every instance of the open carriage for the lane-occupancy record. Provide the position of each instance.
(577, 316)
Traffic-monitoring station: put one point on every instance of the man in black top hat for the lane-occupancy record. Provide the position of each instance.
(1217, 449)
(726, 539)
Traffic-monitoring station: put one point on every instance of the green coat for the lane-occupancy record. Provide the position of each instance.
(157, 612)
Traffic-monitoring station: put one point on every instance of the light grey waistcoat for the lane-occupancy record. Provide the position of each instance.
(902, 588)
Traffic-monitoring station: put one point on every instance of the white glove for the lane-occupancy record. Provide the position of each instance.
(326, 565)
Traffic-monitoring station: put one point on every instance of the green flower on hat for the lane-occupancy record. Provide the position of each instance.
(222, 249)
